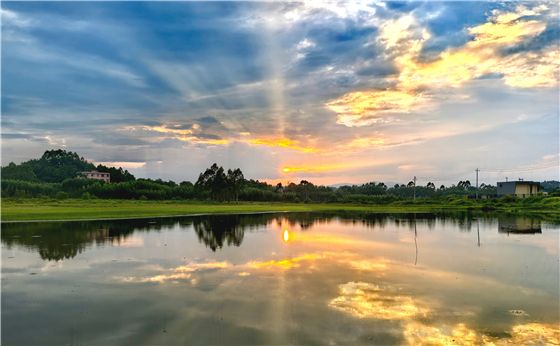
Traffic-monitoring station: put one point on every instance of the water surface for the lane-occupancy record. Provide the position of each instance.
(283, 278)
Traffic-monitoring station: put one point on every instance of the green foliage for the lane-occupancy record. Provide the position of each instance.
(15, 172)
(61, 196)
(56, 166)
(117, 174)
(296, 200)
(11, 188)
(86, 195)
(509, 199)
(143, 198)
(308, 200)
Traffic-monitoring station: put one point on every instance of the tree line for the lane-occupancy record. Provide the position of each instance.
(57, 174)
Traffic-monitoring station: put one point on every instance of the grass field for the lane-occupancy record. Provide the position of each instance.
(38, 209)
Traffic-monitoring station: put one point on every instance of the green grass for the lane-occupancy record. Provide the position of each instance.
(49, 209)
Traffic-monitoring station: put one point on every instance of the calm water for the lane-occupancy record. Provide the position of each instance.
(283, 278)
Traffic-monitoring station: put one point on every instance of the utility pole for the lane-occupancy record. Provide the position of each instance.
(477, 183)
(414, 187)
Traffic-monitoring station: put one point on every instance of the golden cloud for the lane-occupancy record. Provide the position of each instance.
(363, 108)
(285, 143)
(454, 67)
(186, 135)
(315, 169)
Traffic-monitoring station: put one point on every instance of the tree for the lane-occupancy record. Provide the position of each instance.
(410, 184)
(235, 180)
(431, 185)
(21, 172)
(220, 185)
(117, 175)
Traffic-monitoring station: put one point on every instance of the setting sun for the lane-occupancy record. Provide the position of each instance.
(286, 235)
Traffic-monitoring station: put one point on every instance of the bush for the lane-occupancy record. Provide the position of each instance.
(296, 200)
(61, 195)
(333, 198)
(509, 199)
(86, 195)
(308, 200)
(93, 197)
(143, 198)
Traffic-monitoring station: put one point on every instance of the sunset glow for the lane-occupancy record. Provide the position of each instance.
(323, 92)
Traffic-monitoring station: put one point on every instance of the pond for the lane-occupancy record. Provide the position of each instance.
(283, 278)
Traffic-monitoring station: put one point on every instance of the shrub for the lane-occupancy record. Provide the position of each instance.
(143, 198)
(509, 199)
(296, 200)
(308, 200)
(61, 195)
(333, 198)
(86, 195)
(93, 197)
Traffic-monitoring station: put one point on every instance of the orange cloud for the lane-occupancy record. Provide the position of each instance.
(187, 135)
(285, 143)
(315, 169)
(362, 108)
(476, 58)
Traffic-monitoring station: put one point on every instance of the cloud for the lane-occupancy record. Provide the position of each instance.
(418, 80)
(310, 169)
(366, 108)
(284, 143)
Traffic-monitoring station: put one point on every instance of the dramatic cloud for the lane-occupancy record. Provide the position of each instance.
(330, 92)
(403, 39)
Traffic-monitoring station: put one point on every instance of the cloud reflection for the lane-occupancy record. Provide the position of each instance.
(368, 300)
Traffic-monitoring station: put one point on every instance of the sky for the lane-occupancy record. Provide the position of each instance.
(327, 92)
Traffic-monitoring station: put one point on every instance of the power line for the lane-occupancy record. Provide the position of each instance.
(452, 177)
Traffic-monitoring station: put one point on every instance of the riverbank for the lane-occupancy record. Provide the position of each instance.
(41, 209)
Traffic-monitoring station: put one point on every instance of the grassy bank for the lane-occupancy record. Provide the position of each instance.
(49, 209)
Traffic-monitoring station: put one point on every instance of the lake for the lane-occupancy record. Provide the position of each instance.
(283, 278)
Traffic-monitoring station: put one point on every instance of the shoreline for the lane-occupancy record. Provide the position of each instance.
(78, 210)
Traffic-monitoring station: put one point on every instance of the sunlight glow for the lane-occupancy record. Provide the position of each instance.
(286, 235)
(285, 143)
(310, 169)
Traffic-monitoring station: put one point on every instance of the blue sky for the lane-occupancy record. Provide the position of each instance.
(327, 92)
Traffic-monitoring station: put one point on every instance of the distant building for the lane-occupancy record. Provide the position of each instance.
(98, 175)
(518, 188)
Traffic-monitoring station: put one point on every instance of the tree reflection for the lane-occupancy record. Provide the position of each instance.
(215, 230)
(56, 241)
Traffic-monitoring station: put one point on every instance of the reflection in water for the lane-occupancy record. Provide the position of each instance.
(182, 272)
(55, 241)
(512, 224)
(419, 334)
(368, 300)
(215, 230)
(304, 278)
